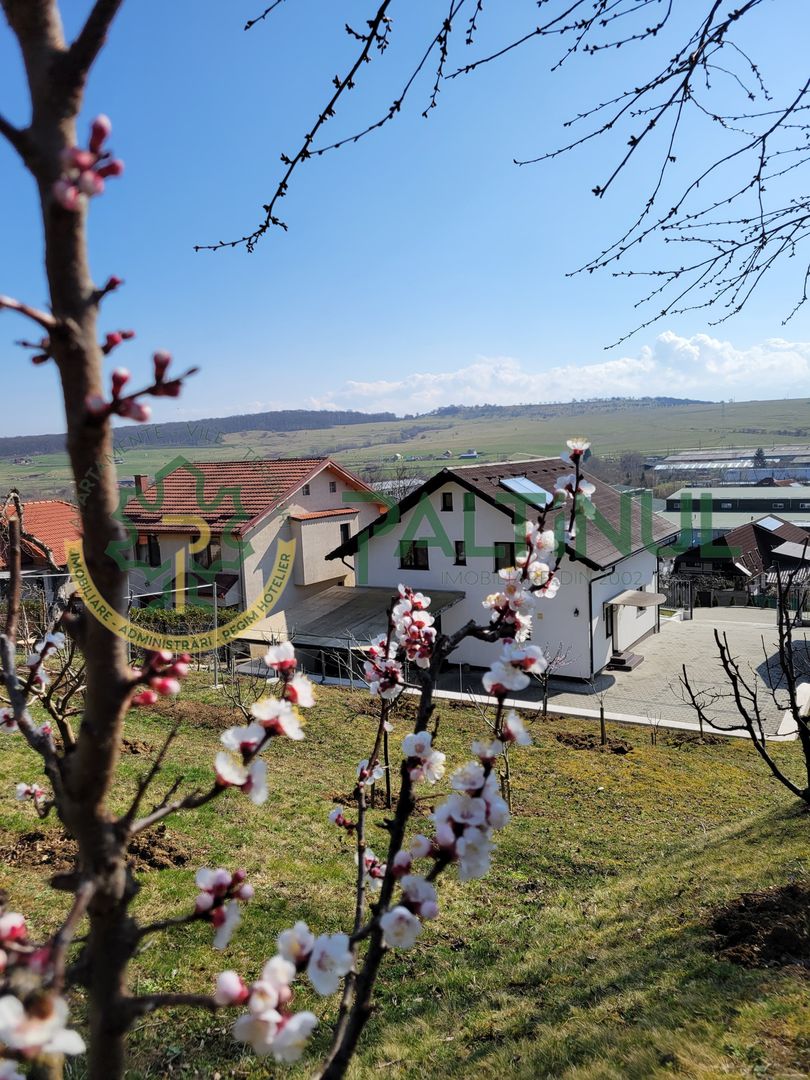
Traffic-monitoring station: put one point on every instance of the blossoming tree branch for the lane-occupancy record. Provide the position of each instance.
(78, 748)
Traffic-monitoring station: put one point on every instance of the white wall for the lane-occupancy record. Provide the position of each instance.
(323, 535)
(556, 623)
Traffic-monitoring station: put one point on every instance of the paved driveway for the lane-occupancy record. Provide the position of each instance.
(653, 691)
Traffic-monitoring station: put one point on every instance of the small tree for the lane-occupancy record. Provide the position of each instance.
(785, 680)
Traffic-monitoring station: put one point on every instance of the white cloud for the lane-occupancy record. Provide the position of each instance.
(699, 366)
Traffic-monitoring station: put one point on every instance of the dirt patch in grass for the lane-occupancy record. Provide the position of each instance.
(575, 740)
(198, 714)
(687, 739)
(135, 746)
(156, 850)
(768, 928)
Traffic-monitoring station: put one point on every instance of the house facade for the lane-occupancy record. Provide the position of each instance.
(205, 526)
(466, 523)
(49, 525)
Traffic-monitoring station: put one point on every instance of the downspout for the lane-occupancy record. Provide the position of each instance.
(607, 573)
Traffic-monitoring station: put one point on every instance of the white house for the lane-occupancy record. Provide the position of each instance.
(456, 531)
(199, 524)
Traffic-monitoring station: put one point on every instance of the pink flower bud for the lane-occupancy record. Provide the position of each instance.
(203, 902)
(179, 670)
(40, 959)
(230, 989)
(66, 194)
(238, 876)
(112, 168)
(161, 360)
(75, 159)
(127, 335)
(402, 863)
(96, 405)
(164, 686)
(113, 283)
(111, 341)
(120, 377)
(42, 358)
(145, 697)
(245, 892)
(100, 132)
(90, 183)
(133, 410)
(162, 656)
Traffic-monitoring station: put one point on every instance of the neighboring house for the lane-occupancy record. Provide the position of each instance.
(702, 513)
(200, 524)
(50, 524)
(463, 525)
(745, 553)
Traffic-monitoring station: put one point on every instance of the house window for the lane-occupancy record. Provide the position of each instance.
(504, 554)
(153, 549)
(777, 506)
(305, 489)
(676, 504)
(608, 621)
(140, 550)
(726, 506)
(332, 487)
(461, 554)
(413, 555)
(211, 555)
(447, 500)
(345, 531)
(804, 506)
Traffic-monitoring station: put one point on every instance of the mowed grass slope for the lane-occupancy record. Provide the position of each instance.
(646, 429)
(585, 954)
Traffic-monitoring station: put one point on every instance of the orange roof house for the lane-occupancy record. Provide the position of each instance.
(221, 522)
(52, 523)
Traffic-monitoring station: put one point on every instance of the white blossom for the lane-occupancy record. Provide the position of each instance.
(226, 923)
(474, 849)
(295, 944)
(400, 928)
(329, 961)
(515, 731)
(292, 1035)
(41, 1031)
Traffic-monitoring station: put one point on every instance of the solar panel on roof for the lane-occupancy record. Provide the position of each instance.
(522, 485)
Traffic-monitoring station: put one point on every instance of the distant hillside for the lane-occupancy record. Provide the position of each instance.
(208, 432)
(211, 432)
(545, 410)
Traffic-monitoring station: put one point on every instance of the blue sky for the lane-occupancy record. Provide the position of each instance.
(421, 267)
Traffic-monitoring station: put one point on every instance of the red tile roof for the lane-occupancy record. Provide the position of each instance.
(53, 522)
(324, 513)
(228, 495)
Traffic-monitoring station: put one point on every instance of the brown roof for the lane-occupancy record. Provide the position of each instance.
(751, 545)
(615, 508)
(54, 522)
(228, 495)
(324, 513)
(594, 548)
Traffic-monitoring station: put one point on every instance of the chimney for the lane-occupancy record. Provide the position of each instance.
(141, 482)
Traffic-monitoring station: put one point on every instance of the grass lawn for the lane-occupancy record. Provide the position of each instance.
(585, 954)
